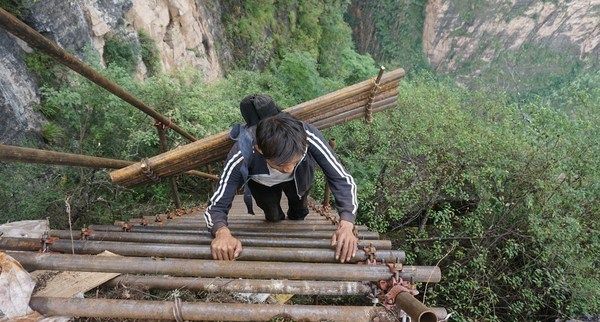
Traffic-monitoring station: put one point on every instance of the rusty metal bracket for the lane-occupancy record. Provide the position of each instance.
(147, 171)
(85, 233)
(125, 226)
(394, 286)
(46, 242)
(371, 252)
(324, 211)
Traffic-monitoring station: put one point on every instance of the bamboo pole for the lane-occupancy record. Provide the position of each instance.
(205, 239)
(215, 147)
(19, 154)
(354, 114)
(353, 106)
(36, 40)
(162, 138)
(10, 153)
(225, 269)
(374, 90)
(327, 193)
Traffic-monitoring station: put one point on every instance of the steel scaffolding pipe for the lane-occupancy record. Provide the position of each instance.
(262, 226)
(225, 269)
(36, 40)
(233, 217)
(310, 255)
(163, 310)
(417, 311)
(336, 288)
(196, 239)
(235, 232)
(238, 221)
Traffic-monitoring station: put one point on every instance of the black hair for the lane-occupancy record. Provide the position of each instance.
(257, 107)
(281, 138)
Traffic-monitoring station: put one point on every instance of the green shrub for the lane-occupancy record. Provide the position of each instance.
(50, 72)
(504, 196)
(16, 7)
(299, 72)
(149, 52)
(121, 52)
(52, 133)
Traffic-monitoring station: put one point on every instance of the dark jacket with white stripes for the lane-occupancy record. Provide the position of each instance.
(242, 163)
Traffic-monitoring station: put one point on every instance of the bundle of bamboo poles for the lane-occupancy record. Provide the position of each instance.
(376, 94)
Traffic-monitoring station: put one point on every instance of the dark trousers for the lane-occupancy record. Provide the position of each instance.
(269, 200)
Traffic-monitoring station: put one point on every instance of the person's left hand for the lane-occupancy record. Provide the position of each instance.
(345, 241)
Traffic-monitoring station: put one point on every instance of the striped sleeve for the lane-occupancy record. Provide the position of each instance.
(220, 202)
(340, 181)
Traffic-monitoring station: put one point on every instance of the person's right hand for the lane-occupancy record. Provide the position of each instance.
(225, 246)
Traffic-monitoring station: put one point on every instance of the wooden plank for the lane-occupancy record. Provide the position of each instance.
(67, 283)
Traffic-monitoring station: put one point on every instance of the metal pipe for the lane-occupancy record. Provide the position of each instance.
(235, 232)
(225, 269)
(164, 310)
(280, 254)
(12, 153)
(243, 285)
(417, 311)
(36, 40)
(196, 239)
(238, 221)
(262, 226)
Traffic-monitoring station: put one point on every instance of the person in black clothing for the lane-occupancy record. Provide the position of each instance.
(277, 156)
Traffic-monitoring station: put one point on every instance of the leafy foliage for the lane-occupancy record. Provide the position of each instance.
(397, 31)
(504, 196)
(149, 53)
(500, 190)
(266, 32)
(122, 52)
(16, 7)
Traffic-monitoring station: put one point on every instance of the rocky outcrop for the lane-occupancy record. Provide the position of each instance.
(186, 33)
(18, 97)
(181, 32)
(456, 34)
(515, 45)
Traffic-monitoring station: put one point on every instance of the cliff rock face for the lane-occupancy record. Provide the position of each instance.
(520, 46)
(458, 32)
(18, 97)
(181, 30)
(186, 32)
